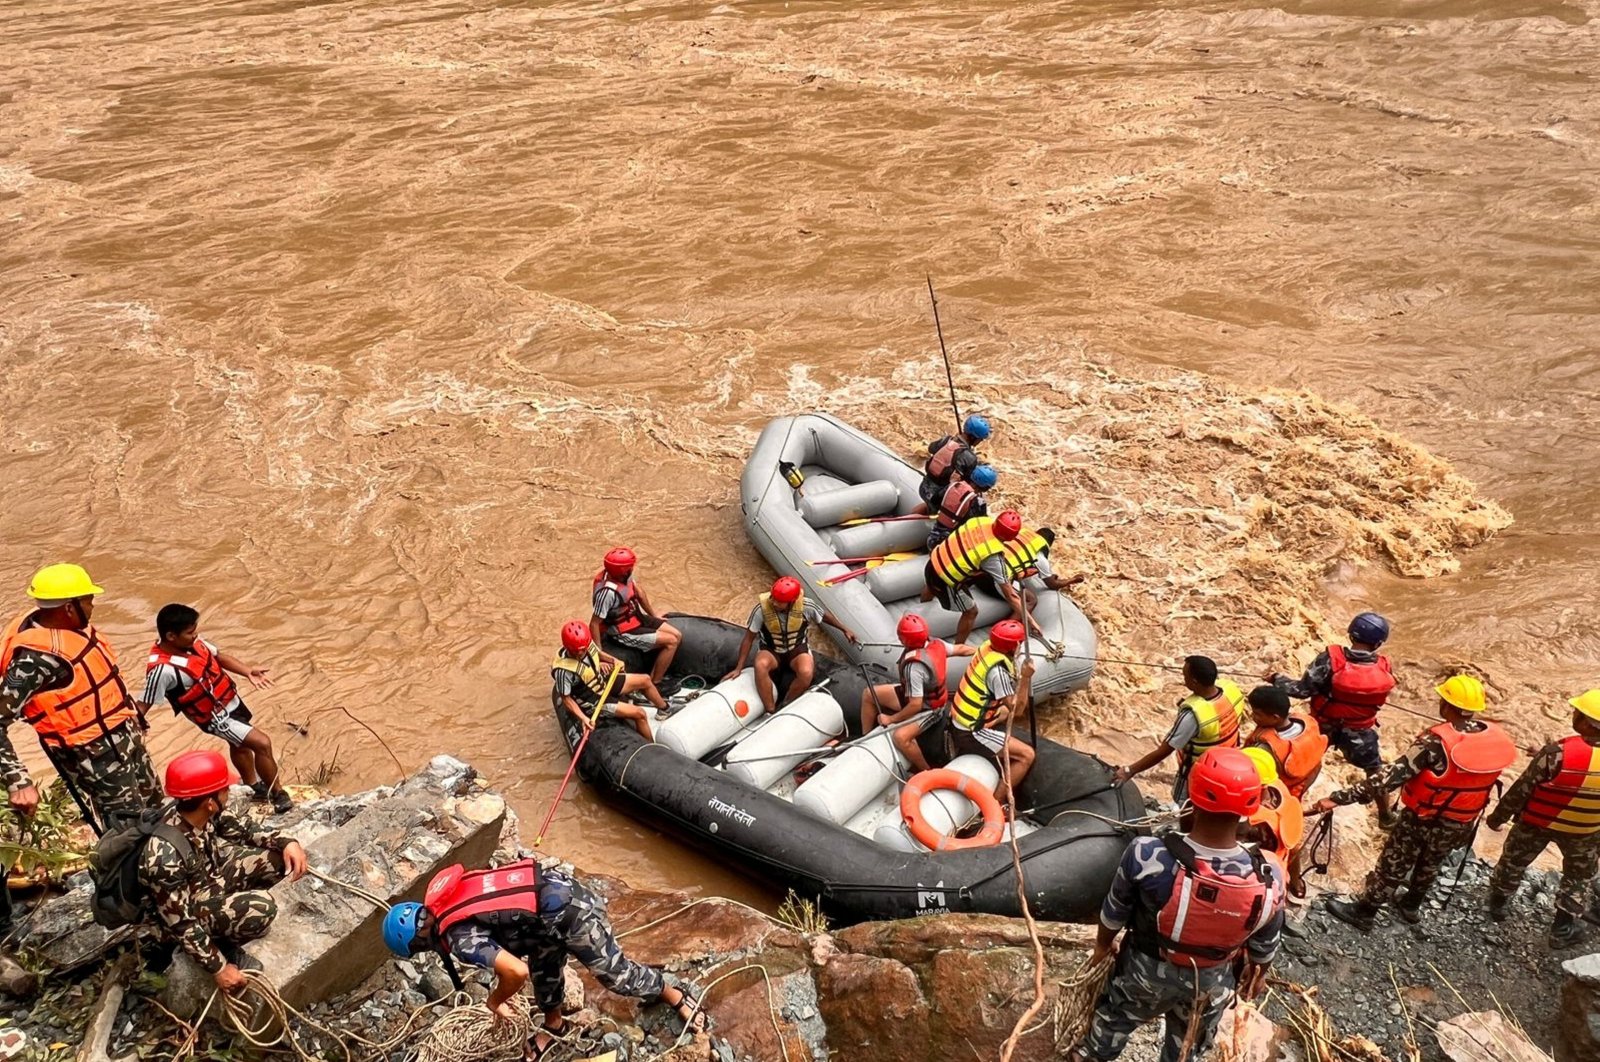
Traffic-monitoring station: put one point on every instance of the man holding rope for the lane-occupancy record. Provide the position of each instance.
(1195, 905)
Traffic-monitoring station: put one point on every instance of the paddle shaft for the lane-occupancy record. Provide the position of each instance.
(883, 519)
(949, 377)
(577, 754)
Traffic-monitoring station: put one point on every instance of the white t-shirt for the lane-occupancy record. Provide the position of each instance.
(167, 681)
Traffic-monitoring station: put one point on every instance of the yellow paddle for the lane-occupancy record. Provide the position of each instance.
(881, 520)
(871, 564)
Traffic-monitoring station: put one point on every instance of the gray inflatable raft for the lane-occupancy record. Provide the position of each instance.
(850, 476)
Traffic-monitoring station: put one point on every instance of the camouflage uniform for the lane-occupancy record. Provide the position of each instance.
(570, 920)
(1416, 848)
(1580, 853)
(113, 773)
(216, 896)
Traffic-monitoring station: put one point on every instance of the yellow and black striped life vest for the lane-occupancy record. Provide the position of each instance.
(592, 674)
(958, 557)
(783, 632)
(1023, 553)
(974, 701)
(1220, 718)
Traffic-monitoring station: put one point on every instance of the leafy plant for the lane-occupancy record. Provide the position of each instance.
(54, 837)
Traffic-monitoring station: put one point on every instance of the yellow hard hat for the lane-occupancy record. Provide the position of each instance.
(1266, 766)
(1588, 704)
(1463, 691)
(62, 582)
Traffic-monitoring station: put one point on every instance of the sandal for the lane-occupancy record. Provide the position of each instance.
(692, 1011)
(558, 1035)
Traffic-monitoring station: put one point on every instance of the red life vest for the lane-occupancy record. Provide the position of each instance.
(936, 657)
(1299, 759)
(627, 614)
(213, 689)
(944, 456)
(1359, 689)
(957, 504)
(1475, 760)
(1210, 915)
(455, 894)
(1569, 802)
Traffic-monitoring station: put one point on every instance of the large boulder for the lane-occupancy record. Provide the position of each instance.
(1578, 1033)
(327, 940)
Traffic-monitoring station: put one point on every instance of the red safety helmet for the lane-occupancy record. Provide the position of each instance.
(786, 591)
(1008, 525)
(575, 637)
(198, 774)
(619, 562)
(1007, 636)
(1224, 780)
(913, 631)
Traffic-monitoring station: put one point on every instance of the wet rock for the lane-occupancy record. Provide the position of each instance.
(62, 933)
(1578, 1030)
(873, 1004)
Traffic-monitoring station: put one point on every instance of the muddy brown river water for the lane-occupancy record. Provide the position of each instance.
(366, 327)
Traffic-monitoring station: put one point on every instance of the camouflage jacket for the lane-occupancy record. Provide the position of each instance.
(175, 887)
(29, 672)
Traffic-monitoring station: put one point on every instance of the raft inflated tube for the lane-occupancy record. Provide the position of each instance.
(803, 724)
(713, 717)
(827, 508)
(855, 776)
(874, 540)
(897, 580)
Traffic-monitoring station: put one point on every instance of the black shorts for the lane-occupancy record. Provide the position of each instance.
(931, 491)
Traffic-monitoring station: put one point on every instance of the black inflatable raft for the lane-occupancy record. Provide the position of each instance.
(1069, 848)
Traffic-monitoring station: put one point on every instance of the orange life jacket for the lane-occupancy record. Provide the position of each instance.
(1359, 689)
(213, 689)
(455, 895)
(1299, 759)
(94, 704)
(1569, 802)
(1287, 821)
(1475, 760)
(627, 614)
(936, 657)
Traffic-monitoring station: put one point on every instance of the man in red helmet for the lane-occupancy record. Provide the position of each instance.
(622, 610)
(205, 871)
(923, 671)
(956, 564)
(992, 690)
(782, 619)
(1192, 904)
(583, 675)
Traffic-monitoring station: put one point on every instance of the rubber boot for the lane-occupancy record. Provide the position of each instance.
(1499, 906)
(1566, 931)
(1354, 912)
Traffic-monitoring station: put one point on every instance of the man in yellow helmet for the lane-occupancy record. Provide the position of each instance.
(1445, 779)
(1555, 801)
(62, 678)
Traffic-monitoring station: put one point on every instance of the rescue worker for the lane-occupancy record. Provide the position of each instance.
(1346, 687)
(924, 673)
(1555, 801)
(192, 674)
(62, 677)
(205, 871)
(1294, 741)
(782, 619)
(1193, 903)
(582, 674)
(1279, 825)
(523, 920)
(1210, 716)
(962, 500)
(991, 690)
(1026, 557)
(622, 609)
(951, 455)
(957, 563)
(1444, 779)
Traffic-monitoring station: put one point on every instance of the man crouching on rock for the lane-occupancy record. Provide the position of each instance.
(523, 918)
(205, 871)
(1204, 914)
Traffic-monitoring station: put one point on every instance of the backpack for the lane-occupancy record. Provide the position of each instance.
(119, 896)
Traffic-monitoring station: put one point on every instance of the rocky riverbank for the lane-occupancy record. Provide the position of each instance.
(790, 988)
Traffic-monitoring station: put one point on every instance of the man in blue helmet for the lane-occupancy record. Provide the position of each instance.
(1346, 687)
(951, 455)
(962, 500)
(522, 921)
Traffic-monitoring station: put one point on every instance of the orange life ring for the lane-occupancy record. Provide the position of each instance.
(925, 782)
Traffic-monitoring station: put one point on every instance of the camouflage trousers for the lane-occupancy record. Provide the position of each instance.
(1146, 987)
(1580, 858)
(235, 906)
(113, 773)
(1411, 858)
(582, 930)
